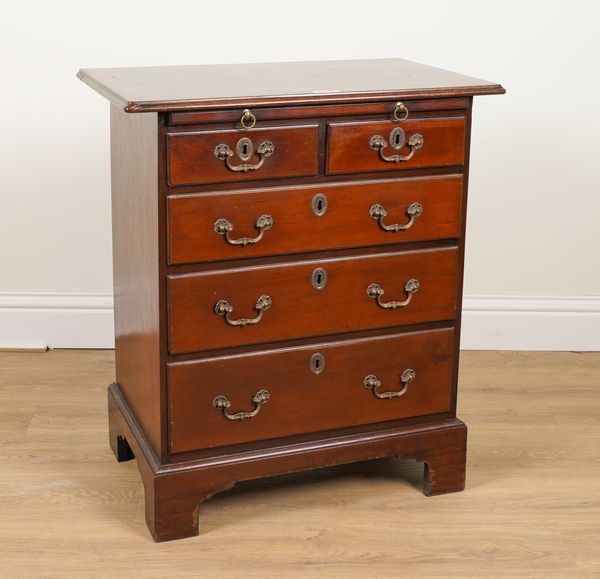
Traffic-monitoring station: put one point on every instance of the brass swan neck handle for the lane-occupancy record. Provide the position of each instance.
(375, 292)
(371, 382)
(396, 141)
(222, 403)
(224, 227)
(244, 150)
(223, 308)
(378, 212)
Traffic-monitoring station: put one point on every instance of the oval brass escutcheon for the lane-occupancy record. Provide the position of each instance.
(319, 204)
(397, 138)
(317, 363)
(319, 278)
(244, 149)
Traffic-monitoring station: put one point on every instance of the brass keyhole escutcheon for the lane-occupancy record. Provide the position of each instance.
(319, 204)
(317, 363)
(319, 278)
(244, 149)
(397, 138)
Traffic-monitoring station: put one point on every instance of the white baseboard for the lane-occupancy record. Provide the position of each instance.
(68, 320)
(531, 323)
(56, 320)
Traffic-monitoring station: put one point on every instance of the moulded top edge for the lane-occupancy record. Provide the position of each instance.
(181, 88)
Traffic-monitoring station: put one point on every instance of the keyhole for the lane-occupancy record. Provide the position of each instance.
(319, 204)
(397, 138)
(319, 278)
(244, 148)
(317, 363)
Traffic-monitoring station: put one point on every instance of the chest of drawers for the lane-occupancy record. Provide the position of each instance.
(288, 246)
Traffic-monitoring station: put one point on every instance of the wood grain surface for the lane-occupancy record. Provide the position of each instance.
(191, 155)
(134, 158)
(299, 310)
(303, 401)
(349, 151)
(313, 111)
(172, 88)
(69, 510)
(347, 221)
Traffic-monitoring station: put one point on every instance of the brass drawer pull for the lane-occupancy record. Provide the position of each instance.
(244, 149)
(224, 308)
(248, 120)
(371, 382)
(375, 292)
(397, 140)
(225, 227)
(413, 211)
(222, 403)
(400, 112)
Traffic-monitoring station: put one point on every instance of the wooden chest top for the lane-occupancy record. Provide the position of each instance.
(173, 88)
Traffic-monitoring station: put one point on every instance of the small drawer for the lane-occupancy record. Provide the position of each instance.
(270, 394)
(253, 305)
(238, 224)
(359, 147)
(242, 154)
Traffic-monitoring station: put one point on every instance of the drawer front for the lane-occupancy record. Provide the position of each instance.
(242, 155)
(232, 225)
(359, 382)
(391, 146)
(256, 305)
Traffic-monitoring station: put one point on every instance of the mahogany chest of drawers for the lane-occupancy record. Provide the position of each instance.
(288, 252)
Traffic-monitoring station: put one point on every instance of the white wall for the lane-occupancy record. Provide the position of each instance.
(535, 177)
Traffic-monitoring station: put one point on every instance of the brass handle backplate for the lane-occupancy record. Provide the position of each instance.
(221, 402)
(396, 141)
(225, 227)
(223, 308)
(371, 382)
(379, 212)
(244, 149)
(375, 292)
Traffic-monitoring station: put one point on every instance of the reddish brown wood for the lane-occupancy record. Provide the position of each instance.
(134, 157)
(116, 434)
(174, 492)
(174, 354)
(445, 465)
(314, 111)
(349, 151)
(461, 249)
(346, 223)
(298, 309)
(302, 401)
(180, 88)
(191, 157)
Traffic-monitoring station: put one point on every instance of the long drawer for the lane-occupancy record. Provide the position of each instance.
(270, 394)
(253, 305)
(237, 224)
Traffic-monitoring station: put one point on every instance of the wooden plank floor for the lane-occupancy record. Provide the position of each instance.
(531, 508)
